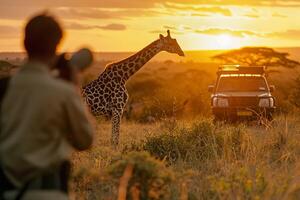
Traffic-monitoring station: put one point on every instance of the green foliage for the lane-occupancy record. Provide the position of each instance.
(199, 142)
(179, 90)
(168, 93)
(182, 143)
(151, 176)
(211, 161)
(202, 141)
(244, 183)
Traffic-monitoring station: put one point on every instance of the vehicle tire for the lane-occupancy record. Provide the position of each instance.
(269, 116)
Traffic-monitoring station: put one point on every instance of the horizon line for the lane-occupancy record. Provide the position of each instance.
(188, 50)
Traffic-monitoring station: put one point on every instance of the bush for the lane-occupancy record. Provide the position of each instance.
(202, 141)
(150, 176)
(239, 184)
(196, 142)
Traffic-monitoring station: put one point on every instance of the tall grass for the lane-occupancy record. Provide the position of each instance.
(194, 160)
(176, 158)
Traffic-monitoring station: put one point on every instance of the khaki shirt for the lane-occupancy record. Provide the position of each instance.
(42, 120)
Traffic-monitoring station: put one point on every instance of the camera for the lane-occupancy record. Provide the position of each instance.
(68, 66)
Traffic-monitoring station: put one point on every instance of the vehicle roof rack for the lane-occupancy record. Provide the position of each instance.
(238, 69)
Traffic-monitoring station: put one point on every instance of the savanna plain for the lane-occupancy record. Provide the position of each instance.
(170, 147)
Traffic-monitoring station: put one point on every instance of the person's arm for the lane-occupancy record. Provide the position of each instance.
(80, 129)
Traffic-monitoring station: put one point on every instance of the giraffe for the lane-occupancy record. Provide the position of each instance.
(107, 95)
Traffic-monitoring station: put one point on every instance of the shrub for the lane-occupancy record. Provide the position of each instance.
(238, 184)
(202, 141)
(196, 142)
(150, 176)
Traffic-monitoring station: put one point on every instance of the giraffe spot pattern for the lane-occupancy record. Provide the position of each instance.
(107, 95)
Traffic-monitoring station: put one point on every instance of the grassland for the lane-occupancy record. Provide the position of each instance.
(203, 160)
(175, 151)
(171, 149)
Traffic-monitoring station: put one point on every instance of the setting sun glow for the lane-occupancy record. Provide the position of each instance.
(225, 42)
(197, 25)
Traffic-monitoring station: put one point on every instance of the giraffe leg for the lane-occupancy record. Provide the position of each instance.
(116, 120)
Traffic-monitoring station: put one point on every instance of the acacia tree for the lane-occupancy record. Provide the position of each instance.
(257, 56)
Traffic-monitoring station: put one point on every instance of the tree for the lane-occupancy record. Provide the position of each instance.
(257, 56)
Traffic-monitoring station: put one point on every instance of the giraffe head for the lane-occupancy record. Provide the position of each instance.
(170, 45)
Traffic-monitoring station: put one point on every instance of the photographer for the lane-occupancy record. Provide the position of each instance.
(42, 121)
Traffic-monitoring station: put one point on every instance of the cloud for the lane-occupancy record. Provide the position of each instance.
(177, 30)
(76, 26)
(145, 3)
(83, 13)
(112, 27)
(199, 10)
(163, 32)
(120, 9)
(209, 31)
(199, 15)
(275, 14)
(81, 3)
(252, 15)
(289, 34)
(23, 12)
(170, 27)
(97, 13)
(16, 12)
(219, 31)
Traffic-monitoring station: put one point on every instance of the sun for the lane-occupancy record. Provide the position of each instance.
(225, 42)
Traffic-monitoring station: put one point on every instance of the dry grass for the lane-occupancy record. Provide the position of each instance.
(190, 158)
(241, 162)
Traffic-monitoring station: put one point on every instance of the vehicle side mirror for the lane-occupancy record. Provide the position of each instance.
(211, 88)
(272, 88)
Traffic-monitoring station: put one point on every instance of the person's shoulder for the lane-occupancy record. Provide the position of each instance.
(62, 87)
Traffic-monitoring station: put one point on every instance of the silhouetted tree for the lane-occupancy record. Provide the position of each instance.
(257, 56)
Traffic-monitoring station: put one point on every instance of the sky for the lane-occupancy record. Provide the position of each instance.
(129, 25)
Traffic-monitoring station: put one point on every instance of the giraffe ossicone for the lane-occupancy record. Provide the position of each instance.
(107, 95)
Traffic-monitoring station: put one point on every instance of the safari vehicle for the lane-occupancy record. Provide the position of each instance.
(241, 93)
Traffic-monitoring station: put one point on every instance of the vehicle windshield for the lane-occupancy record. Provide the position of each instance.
(241, 84)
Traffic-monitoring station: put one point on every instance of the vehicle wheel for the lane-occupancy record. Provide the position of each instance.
(269, 116)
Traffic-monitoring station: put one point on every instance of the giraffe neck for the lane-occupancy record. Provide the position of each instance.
(134, 63)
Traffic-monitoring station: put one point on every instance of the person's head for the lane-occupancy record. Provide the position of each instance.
(42, 36)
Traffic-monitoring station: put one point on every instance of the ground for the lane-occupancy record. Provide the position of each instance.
(177, 152)
(234, 161)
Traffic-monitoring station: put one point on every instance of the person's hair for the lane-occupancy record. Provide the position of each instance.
(42, 35)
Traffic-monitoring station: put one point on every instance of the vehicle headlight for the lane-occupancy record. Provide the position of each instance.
(266, 102)
(220, 102)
